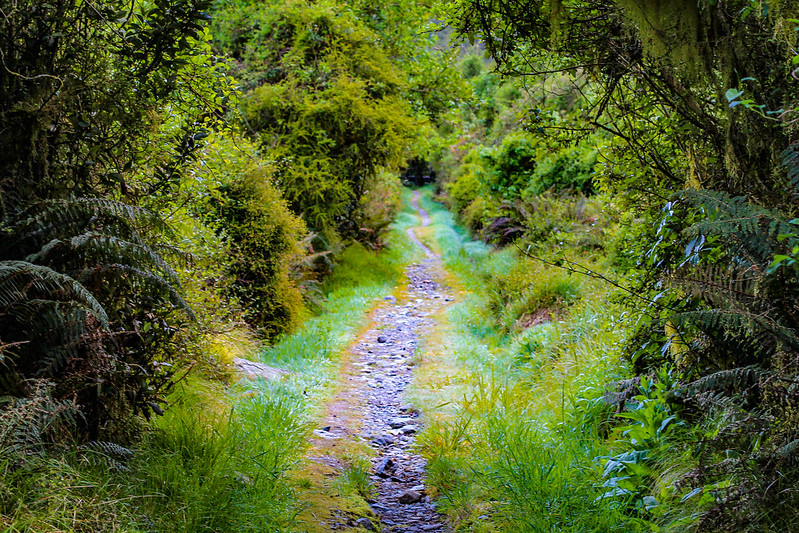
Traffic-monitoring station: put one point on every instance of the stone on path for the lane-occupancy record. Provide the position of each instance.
(254, 370)
(397, 423)
(384, 440)
(324, 434)
(385, 467)
(410, 496)
(365, 523)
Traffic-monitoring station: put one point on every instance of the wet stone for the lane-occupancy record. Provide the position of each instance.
(397, 423)
(381, 339)
(383, 440)
(365, 523)
(385, 467)
(410, 496)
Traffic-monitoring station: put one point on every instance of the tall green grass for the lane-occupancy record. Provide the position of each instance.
(520, 449)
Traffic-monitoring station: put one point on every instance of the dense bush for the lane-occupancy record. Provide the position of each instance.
(90, 301)
(325, 102)
(695, 104)
(264, 239)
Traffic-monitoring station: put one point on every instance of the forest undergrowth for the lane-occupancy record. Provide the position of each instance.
(220, 459)
(184, 182)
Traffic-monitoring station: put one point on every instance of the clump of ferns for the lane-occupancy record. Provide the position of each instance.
(28, 424)
(736, 344)
(88, 301)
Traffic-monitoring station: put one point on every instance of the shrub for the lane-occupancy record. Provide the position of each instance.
(264, 240)
(569, 168)
(332, 114)
(530, 294)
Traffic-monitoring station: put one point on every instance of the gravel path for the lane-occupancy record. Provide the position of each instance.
(386, 358)
(398, 474)
(371, 408)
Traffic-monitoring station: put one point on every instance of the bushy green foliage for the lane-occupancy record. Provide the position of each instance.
(325, 102)
(502, 175)
(91, 305)
(694, 135)
(528, 295)
(93, 302)
(511, 165)
(263, 239)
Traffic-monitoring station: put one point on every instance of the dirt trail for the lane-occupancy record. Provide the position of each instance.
(425, 222)
(369, 408)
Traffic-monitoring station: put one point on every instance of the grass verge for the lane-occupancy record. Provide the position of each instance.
(517, 444)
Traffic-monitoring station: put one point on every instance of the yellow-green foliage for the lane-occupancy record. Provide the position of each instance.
(466, 185)
(531, 293)
(668, 29)
(381, 202)
(332, 147)
(261, 233)
(264, 238)
(331, 112)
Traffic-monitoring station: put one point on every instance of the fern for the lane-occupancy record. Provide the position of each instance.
(20, 281)
(27, 424)
(79, 282)
(93, 248)
(64, 218)
(107, 454)
(735, 380)
(720, 284)
(749, 229)
(790, 161)
(149, 285)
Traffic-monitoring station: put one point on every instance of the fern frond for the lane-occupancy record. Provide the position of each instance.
(140, 281)
(21, 281)
(759, 327)
(108, 454)
(721, 285)
(65, 218)
(27, 423)
(92, 248)
(788, 449)
(57, 332)
(752, 228)
(734, 379)
(790, 161)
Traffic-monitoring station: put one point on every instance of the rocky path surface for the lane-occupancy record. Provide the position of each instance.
(402, 502)
(380, 368)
